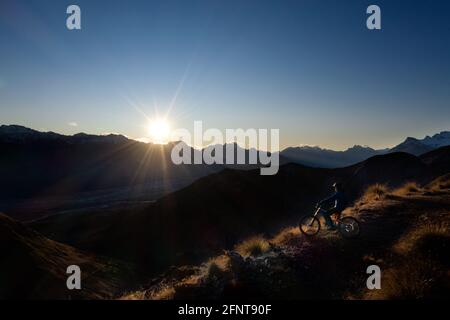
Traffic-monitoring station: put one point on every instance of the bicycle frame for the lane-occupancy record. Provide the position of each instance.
(322, 212)
(319, 211)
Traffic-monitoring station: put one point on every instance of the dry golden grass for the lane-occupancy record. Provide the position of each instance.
(407, 189)
(408, 242)
(136, 295)
(286, 235)
(215, 267)
(253, 247)
(375, 192)
(420, 270)
(408, 281)
(222, 262)
(213, 272)
(165, 293)
(440, 184)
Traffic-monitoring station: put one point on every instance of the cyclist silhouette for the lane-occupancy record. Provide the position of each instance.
(340, 203)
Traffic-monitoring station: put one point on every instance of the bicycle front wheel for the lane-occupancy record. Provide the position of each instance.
(309, 225)
(349, 227)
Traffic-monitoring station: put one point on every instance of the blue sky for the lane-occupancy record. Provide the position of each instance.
(310, 68)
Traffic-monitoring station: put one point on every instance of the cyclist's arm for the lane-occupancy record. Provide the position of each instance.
(329, 199)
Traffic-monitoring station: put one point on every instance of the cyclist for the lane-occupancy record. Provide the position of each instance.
(340, 203)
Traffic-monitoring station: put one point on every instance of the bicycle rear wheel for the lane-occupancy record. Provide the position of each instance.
(309, 225)
(349, 227)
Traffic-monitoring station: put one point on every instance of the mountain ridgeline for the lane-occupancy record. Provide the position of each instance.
(318, 157)
(48, 172)
(45, 172)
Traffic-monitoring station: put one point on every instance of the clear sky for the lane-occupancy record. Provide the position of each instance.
(310, 68)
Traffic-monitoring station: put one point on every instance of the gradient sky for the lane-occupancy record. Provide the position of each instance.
(310, 68)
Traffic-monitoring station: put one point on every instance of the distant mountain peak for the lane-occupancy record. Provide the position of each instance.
(305, 147)
(419, 146)
(17, 129)
(81, 134)
(438, 140)
(359, 147)
(411, 139)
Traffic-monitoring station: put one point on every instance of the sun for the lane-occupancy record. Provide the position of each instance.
(159, 130)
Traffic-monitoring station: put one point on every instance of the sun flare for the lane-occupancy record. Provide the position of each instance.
(159, 130)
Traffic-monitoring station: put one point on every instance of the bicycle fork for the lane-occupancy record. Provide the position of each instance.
(314, 216)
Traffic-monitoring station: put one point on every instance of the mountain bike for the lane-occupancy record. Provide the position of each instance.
(310, 225)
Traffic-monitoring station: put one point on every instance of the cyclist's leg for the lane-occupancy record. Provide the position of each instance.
(327, 216)
(338, 214)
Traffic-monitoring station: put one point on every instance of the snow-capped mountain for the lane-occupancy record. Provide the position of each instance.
(438, 140)
(318, 157)
(420, 146)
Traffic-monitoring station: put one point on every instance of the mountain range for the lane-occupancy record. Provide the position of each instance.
(307, 155)
(318, 157)
(42, 172)
(46, 172)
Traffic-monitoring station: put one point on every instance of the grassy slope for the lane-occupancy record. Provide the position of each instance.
(405, 231)
(218, 211)
(34, 267)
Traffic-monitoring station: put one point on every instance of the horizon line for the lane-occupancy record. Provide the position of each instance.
(146, 140)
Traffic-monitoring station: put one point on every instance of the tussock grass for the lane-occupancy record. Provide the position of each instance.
(375, 192)
(253, 247)
(418, 280)
(215, 267)
(440, 184)
(222, 262)
(407, 189)
(421, 268)
(214, 273)
(413, 239)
